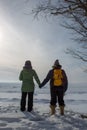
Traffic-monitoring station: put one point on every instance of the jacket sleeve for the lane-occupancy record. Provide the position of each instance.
(36, 78)
(48, 77)
(65, 81)
(21, 76)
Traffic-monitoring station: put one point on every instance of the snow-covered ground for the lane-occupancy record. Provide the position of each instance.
(11, 118)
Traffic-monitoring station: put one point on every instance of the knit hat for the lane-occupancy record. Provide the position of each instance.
(56, 63)
(28, 64)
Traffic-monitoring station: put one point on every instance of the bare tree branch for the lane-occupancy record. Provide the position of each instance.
(76, 13)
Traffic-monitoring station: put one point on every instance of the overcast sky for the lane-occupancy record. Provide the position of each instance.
(42, 41)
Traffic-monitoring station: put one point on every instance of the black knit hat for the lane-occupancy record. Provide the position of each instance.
(57, 64)
(28, 64)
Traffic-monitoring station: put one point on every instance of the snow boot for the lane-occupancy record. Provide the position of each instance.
(52, 109)
(61, 110)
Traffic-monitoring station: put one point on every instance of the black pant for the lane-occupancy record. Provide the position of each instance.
(57, 95)
(30, 101)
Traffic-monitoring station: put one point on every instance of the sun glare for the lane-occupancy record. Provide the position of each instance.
(1, 39)
(1, 36)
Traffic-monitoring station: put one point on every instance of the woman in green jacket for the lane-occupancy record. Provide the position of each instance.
(27, 76)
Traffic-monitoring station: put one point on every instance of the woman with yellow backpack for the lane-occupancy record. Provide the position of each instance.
(58, 86)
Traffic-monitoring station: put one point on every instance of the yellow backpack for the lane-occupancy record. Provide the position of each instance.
(58, 77)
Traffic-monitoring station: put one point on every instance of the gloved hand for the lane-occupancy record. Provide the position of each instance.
(40, 86)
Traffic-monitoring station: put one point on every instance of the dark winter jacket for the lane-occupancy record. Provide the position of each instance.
(49, 77)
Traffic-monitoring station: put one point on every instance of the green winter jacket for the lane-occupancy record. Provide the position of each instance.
(27, 77)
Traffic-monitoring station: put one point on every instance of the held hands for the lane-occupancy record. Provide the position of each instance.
(40, 86)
